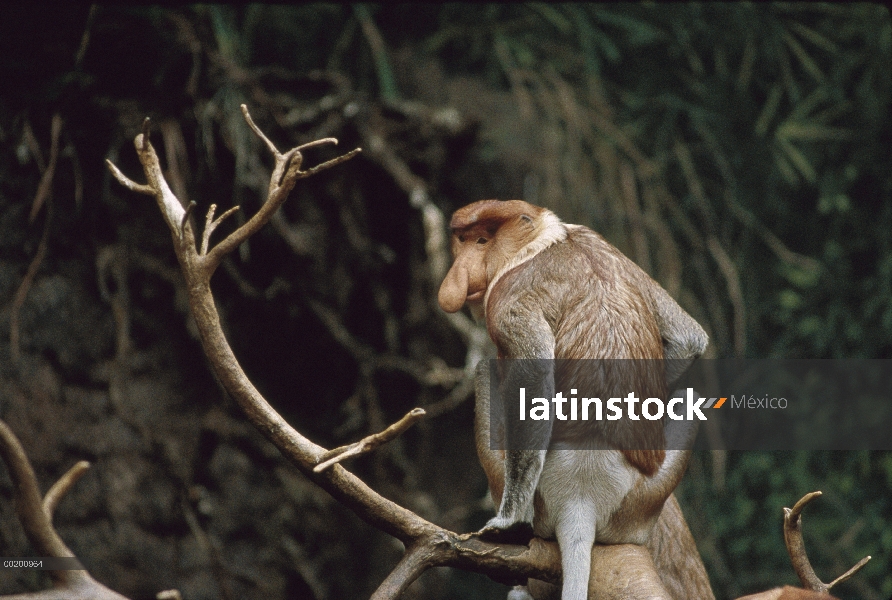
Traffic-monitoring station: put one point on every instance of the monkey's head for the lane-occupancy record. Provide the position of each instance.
(486, 235)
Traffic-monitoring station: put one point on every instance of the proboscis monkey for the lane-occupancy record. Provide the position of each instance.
(549, 290)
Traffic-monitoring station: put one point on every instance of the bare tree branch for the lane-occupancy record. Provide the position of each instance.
(128, 183)
(796, 549)
(369, 443)
(61, 487)
(285, 174)
(211, 224)
(443, 548)
(44, 189)
(22, 292)
(35, 515)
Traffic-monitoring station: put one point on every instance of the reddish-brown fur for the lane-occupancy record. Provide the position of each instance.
(476, 263)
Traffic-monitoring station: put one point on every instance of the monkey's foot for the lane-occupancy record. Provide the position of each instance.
(518, 532)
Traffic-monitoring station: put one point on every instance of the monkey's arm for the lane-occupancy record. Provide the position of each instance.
(683, 338)
(526, 343)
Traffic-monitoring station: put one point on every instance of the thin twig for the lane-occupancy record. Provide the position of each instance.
(210, 225)
(371, 442)
(208, 222)
(128, 183)
(45, 187)
(144, 142)
(848, 574)
(22, 292)
(258, 132)
(329, 164)
(315, 143)
(61, 487)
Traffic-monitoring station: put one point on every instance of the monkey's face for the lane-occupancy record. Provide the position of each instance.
(466, 281)
(485, 235)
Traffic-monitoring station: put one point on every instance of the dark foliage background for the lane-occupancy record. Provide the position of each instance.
(738, 152)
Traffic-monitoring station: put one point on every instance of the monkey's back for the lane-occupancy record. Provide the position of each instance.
(604, 294)
(606, 339)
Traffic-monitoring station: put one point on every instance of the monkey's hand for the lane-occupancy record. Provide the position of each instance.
(500, 530)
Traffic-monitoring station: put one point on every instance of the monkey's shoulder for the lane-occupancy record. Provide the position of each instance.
(606, 258)
(584, 265)
(585, 291)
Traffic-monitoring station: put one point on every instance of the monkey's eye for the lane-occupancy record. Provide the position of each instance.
(461, 238)
(482, 240)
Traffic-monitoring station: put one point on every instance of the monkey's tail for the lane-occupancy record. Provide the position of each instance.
(575, 535)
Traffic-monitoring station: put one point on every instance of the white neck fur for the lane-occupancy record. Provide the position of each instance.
(551, 231)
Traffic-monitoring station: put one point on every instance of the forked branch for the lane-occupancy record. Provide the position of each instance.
(35, 515)
(286, 172)
(796, 548)
(205, 260)
(435, 545)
